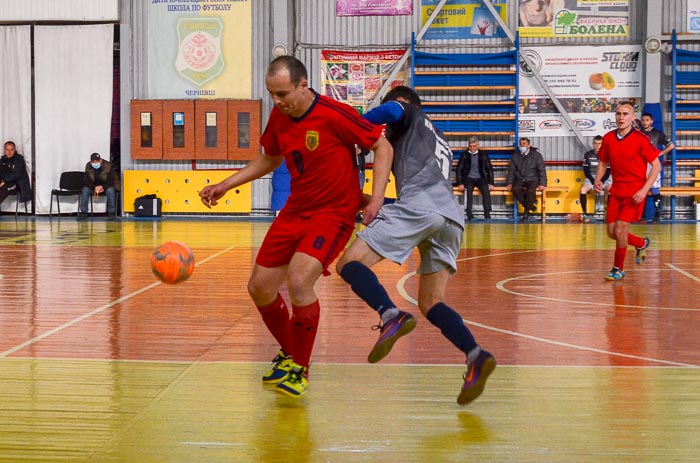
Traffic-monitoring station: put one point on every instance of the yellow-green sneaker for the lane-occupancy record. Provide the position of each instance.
(296, 383)
(281, 365)
(642, 252)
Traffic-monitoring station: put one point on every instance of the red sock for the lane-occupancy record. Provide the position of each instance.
(304, 327)
(276, 318)
(634, 240)
(620, 254)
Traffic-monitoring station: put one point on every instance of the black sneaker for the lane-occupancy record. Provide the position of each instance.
(82, 216)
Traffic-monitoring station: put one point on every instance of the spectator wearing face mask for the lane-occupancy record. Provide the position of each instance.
(99, 179)
(526, 175)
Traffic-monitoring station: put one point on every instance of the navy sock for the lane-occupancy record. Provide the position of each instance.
(365, 284)
(452, 327)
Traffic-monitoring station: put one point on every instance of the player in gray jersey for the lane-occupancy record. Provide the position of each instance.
(426, 215)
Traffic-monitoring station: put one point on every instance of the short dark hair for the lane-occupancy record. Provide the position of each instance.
(10, 142)
(598, 137)
(404, 92)
(648, 115)
(525, 139)
(296, 68)
(625, 103)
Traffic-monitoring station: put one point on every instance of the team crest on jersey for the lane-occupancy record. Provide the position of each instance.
(311, 140)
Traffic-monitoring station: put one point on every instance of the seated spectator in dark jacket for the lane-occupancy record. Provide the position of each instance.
(99, 178)
(474, 169)
(526, 175)
(13, 174)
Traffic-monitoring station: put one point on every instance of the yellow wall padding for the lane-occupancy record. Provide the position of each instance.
(390, 188)
(179, 190)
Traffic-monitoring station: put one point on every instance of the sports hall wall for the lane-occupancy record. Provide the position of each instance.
(306, 27)
(312, 26)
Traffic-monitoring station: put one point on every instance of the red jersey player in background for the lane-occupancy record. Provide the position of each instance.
(628, 151)
(316, 137)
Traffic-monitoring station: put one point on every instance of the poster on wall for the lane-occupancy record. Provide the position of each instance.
(463, 19)
(694, 16)
(573, 18)
(200, 50)
(373, 7)
(356, 77)
(588, 84)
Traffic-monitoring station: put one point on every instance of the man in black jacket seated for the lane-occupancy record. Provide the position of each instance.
(474, 169)
(13, 174)
(526, 175)
(99, 178)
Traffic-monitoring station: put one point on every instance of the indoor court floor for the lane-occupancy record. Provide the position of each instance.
(100, 362)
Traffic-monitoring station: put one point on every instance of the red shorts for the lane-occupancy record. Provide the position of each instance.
(623, 208)
(322, 236)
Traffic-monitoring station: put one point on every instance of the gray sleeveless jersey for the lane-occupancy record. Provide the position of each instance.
(423, 164)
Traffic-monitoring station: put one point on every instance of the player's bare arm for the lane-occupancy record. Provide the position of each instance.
(383, 158)
(599, 173)
(651, 177)
(667, 149)
(256, 168)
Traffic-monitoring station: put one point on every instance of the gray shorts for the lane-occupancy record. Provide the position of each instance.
(399, 228)
(607, 184)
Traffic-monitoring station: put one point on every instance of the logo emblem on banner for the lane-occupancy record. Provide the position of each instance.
(199, 58)
(311, 140)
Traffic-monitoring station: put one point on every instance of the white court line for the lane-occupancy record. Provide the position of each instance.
(501, 285)
(401, 288)
(683, 272)
(76, 320)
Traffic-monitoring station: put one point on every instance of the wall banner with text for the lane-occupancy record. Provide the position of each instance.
(356, 77)
(200, 49)
(373, 7)
(573, 18)
(694, 16)
(589, 84)
(463, 19)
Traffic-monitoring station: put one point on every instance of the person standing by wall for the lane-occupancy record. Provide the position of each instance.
(658, 138)
(590, 166)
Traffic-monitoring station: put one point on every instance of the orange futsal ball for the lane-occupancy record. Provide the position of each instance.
(172, 262)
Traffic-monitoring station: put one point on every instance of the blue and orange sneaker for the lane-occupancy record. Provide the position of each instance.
(400, 325)
(475, 378)
(296, 383)
(642, 252)
(615, 274)
(281, 365)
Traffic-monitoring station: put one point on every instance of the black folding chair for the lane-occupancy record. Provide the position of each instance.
(16, 193)
(70, 184)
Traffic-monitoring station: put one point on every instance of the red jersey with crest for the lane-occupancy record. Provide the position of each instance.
(627, 157)
(319, 149)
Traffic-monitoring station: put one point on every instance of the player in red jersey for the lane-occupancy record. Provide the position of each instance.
(628, 151)
(316, 137)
